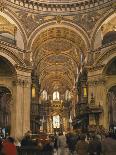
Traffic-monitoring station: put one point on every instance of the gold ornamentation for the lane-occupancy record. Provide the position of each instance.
(59, 19)
(2, 5)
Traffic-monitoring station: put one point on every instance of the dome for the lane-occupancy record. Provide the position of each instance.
(57, 1)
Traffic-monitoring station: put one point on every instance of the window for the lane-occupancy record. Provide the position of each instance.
(67, 95)
(85, 92)
(56, 95)
(44, 95)
(33, 92)
(56, 121)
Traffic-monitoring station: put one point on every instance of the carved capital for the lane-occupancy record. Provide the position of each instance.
(21, 82)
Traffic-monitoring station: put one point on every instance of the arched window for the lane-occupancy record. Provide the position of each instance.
(56, 95)
(44, 95)
(33, 91)
(67, 95)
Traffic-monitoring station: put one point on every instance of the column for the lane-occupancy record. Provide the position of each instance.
(17, 109)
(20, 119)
(26, 105)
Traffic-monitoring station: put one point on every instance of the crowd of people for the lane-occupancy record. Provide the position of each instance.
(64, 144)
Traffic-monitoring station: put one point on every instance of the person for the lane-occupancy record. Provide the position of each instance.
(94, 147)
(1, 147)
(55, 143)
(82, 145)
(26, 141)
(71, 141)
(8, 147)
(62, 144)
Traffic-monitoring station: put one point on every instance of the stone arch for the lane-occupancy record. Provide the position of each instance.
(5, 109)
(9, 15)
(107, 62)
(99, 24)
(109, 37)
(64, 24)
(11, 57)
(111, 95)
(110, 68)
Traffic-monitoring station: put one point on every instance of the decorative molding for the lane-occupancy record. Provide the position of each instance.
(2, 5)
(104, 55)
(100, 81)
(24, 68)
(97, 57)
(95, 68)
(60, 7)
(86, 19)
(21, 82)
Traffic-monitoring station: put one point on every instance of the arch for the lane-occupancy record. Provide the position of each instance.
(8, 14)
(56, 95)
(6, 68)
(111, 67)
(112, 106)
(111, 13)
(64, 24)
(109, 37)
(107, 62)
(5, 109)
(10, 56)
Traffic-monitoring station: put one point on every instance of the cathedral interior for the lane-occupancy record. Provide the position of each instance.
(57, 65)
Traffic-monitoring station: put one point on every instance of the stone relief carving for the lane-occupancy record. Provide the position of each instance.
(32, 21)
(89, 19)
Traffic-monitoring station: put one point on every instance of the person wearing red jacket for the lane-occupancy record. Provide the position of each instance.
(8, 147)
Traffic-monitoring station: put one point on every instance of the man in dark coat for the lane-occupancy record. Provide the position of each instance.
(94, 147)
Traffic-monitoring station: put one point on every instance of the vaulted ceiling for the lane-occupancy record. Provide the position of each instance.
(56, 56)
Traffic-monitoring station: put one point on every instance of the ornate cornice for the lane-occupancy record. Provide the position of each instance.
(24, 68)
(95, 68)
(99, 81)
(104, 53)
(21, 82)
(13, 52)
(60, 7)
(99, 55)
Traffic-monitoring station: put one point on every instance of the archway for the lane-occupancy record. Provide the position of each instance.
(7, 74)
(111, 72)
(5, 110)
(112, 107)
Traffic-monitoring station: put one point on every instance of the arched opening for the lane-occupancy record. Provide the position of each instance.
(111, 67)
(112, 107)
(5, 110)
(109, 37)
(110, 71)
(6, 68)
(7, 74)
(11, 31)
(106, 32)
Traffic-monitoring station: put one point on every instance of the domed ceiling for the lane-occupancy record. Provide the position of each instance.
(57, 1)
(57, 54)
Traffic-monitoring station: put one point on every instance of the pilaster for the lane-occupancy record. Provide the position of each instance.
(21, 113)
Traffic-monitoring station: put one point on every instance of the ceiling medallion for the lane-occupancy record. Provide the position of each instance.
(59, 19)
